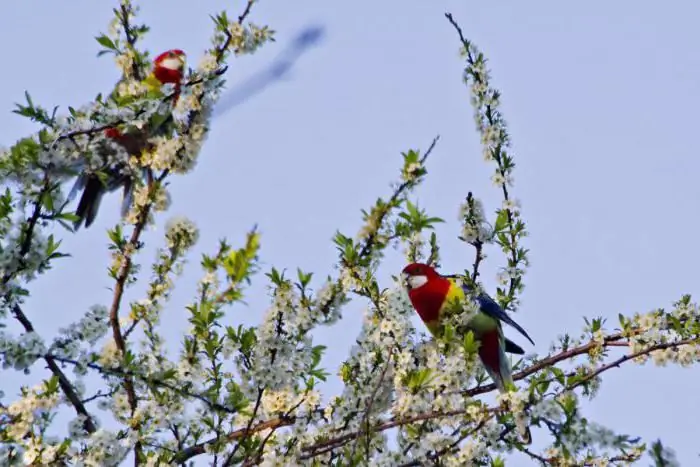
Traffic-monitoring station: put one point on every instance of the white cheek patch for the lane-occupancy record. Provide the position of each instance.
(171, 64)
(416, 282)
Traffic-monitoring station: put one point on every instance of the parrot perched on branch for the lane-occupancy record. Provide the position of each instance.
(168, 68)
(432, 295)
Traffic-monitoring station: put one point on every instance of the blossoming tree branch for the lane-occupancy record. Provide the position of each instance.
(239, 395)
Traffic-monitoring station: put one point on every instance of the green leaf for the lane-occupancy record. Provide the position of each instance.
(47, 201)
(501, 221)
(470, 344)
(106, 42)
(418, 379)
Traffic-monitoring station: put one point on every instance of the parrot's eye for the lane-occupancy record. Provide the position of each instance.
(171, 54)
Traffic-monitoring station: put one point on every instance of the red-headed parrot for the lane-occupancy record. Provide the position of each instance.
(168, 68)
(432, 295)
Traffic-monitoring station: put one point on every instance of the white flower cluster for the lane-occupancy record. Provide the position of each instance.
(475, 228)
(486, 102)
(27, 411)
(279, 361)
(283, 342)
(20, 353)
(38, 451)
(414, 247)
(656, 328)
(329, 300)
(500, 180)
(91, 327)
(410, 172)
(104, 448)
(368, 373)
(156, 196)
(24, 267)
(181, 233)
(246, 40)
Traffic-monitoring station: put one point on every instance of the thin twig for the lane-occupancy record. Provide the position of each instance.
(489, 113)
(258, 400)
(130, 40)
(632, 356)
(368, 408)
(63, 381)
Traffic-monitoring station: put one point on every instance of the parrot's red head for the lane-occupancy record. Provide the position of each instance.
(169, 67)
(416, 275)
(426, 288)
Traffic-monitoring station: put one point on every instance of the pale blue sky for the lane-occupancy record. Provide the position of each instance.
(599, 97)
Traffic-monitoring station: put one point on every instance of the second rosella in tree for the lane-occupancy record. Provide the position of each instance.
(168, 68)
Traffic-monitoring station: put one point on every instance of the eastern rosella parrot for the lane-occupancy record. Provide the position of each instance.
(432, 295)
(168, 68)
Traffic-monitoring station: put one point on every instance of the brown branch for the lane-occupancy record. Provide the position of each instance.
(438, 454)
(369, 242)
(249, 462)
(125, 269)
(242, 17)
(200, 448)
(632, 356)
(63, 381)
(477, 243)
(478, 258)
(327, 445)
(556, 461)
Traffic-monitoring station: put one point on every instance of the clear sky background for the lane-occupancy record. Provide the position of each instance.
(601, 101)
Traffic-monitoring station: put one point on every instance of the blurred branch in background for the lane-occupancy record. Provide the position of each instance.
(279, 69)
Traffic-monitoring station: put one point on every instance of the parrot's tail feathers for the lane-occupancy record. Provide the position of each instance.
(77, 186)
(89, 202)
(512, 347)
(493, 357)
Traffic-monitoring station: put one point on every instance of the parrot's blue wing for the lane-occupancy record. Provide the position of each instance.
(491, 308)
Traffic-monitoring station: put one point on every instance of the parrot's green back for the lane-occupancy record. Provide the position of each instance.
(480, 325)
